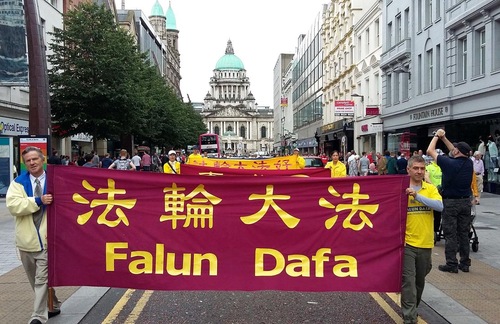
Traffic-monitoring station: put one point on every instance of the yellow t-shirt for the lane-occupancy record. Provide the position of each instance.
(301, 162)
(195, 159)
(176, 166)
(336, 170)
(420, 219)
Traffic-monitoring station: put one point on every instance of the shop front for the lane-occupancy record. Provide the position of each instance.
(336, 136)
(307, 146)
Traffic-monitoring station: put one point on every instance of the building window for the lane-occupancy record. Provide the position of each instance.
(438, 9)
(428, 12)
(438, 66)
(407, 23)
(405, 80)
(480, 59)
(367, 33)
(389, 35)
(263, 132)
(217, 130)
(429, 84)
(396, 87)
(389, 89)
(377, 87)
(398, 29)
(229, 128)
(419, 74)
(243, 132)
(462, 59)
(496, 45)
(53, 3)
(419, 15)
(377, 33)
(359, 48)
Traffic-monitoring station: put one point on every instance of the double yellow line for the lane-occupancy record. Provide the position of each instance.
(134, 314)
(141, 303)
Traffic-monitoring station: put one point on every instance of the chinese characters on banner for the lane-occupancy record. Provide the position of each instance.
(187, 169)
(179, 232)
(276, 163)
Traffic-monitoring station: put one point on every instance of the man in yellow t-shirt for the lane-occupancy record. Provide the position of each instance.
(300, 161)
(423, 198)
(337, 168)
(195, 157)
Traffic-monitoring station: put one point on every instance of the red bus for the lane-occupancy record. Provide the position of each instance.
(210, 143)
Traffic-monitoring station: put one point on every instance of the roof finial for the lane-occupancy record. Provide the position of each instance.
(229, 48)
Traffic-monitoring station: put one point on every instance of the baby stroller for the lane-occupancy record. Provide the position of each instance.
(472, 232)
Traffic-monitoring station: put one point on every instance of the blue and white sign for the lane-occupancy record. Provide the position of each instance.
(13, 127)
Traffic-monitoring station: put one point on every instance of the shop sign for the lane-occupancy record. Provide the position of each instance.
(372, 111)
(344, 108)
(81, 138)
(13, 127)
(371, 128)
(431, 113)
(284, 102)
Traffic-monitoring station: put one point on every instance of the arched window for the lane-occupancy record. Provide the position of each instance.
(263, 132)
(229, 128)
(217, 130)
(243, 132)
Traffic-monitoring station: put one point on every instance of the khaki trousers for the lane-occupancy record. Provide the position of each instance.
(36, 267)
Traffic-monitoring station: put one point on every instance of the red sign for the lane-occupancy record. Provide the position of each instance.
(372, 111)
(159, 231)
(284, 102)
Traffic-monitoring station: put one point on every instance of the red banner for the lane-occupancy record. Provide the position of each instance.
(188, 169)
(178, 232)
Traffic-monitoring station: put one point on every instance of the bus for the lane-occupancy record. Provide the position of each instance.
(210, 143)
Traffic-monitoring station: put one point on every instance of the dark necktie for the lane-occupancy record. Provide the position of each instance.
(37, 216)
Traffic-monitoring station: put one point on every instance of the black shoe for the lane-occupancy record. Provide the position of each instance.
(448, 268)
(463, 267)
(35, 321)
(55, 312)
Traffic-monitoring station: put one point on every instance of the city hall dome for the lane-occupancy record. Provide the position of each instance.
(229, 61)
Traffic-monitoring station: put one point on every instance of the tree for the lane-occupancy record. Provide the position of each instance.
(103, 86)
(92, 80)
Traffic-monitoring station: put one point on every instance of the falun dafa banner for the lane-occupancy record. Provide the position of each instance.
(159, 231)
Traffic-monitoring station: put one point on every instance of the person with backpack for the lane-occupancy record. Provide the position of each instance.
(123, 162)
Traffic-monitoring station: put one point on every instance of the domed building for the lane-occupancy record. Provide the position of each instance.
(230, 110)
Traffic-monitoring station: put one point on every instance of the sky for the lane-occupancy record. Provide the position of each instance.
(260, 31)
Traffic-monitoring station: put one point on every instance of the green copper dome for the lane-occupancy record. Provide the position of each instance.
(229, 61)
(171, 23)
(157, 9)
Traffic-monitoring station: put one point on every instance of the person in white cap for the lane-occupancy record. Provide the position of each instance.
(300, 161)
(172, 166)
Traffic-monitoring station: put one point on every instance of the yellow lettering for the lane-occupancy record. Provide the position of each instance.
(197, 263)
(111, 255)
(299, 265)
(160, 258)
(259, 262)
(347, 268)
(320, 260)
(186, 265)
(144, 263)
(302, 266)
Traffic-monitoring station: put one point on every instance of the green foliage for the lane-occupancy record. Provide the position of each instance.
(103, 86)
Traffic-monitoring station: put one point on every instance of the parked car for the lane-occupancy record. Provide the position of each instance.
(313, 162)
